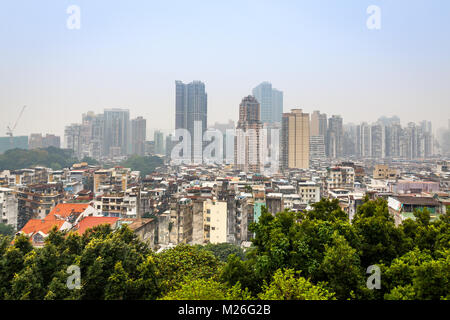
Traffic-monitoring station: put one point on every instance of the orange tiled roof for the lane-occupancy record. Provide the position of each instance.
(35, 225)
(90, 222)
(65, 209)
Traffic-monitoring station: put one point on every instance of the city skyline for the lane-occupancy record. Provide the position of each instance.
(124, 56)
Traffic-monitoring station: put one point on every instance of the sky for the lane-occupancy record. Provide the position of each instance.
(128, 54)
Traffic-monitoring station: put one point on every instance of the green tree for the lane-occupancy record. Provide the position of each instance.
(289, 285)
(206, 289)
(6, 229)
(183, 261)
(341, 268)
(223, 250)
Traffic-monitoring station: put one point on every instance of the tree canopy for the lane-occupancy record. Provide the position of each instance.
(145, 165)
(315, 255)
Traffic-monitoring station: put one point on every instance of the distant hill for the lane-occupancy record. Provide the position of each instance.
(50, 157)
(145, 165)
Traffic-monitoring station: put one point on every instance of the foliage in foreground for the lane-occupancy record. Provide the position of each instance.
(316, 255)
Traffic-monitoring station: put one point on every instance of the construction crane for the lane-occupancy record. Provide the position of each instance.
(10, 131)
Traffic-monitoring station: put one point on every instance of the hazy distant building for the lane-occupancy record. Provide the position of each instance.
(271, 102)
(138, 135)
(223, 127)
(7, 143)
(363, 145)
(335, 137)
(169, 145)
(318, 124)
(386, 121)
(191, 106)
(158, 137)
(247, 147)
(117, 133)
(377, 133)
(317, 147)
(318, 134)
(37, 141)
(393, 133)
(349, 139)
(295, 140)
(72, 139)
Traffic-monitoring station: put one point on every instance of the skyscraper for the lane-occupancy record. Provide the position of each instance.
(318, 124)
(393, 134)
(158, 138)
(117, 139)
(295, 140)
(138, 135)
(378, 138)
(335, 137)
(191, 106)
(271, 102)
(318, 133)
(72, 141)
(247, 147)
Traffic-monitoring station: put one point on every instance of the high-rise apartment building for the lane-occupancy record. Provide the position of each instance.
(117, 133)
(191, 107)
(169, 145)
(377, 133)
(317, 147)
(138, 135)
(318, 134)
(37, 140)
(393, 134)
(271, 102)
(334, 137)
(318, 124)
(72, 139)
(158, 137)
(248, 142)
(295, 140)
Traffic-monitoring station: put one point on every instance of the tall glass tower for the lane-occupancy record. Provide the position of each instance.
(271, 101)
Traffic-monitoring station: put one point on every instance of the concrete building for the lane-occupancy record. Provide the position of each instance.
(121, 204)
(159, 142)
(340, 178)
(191, 107)
(9, 210)
(138, 135)
(309, 192)
(385, 172)
(215, 221)
(378, 146)
(318, 124)
(334, 137)
(363, 141)
(317, 147)
(117, 132)
(295, 140)
(37, 200)
(248, 154)
(72, 139)
(37, 141)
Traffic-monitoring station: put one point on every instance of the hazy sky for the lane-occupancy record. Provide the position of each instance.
(128, 54)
